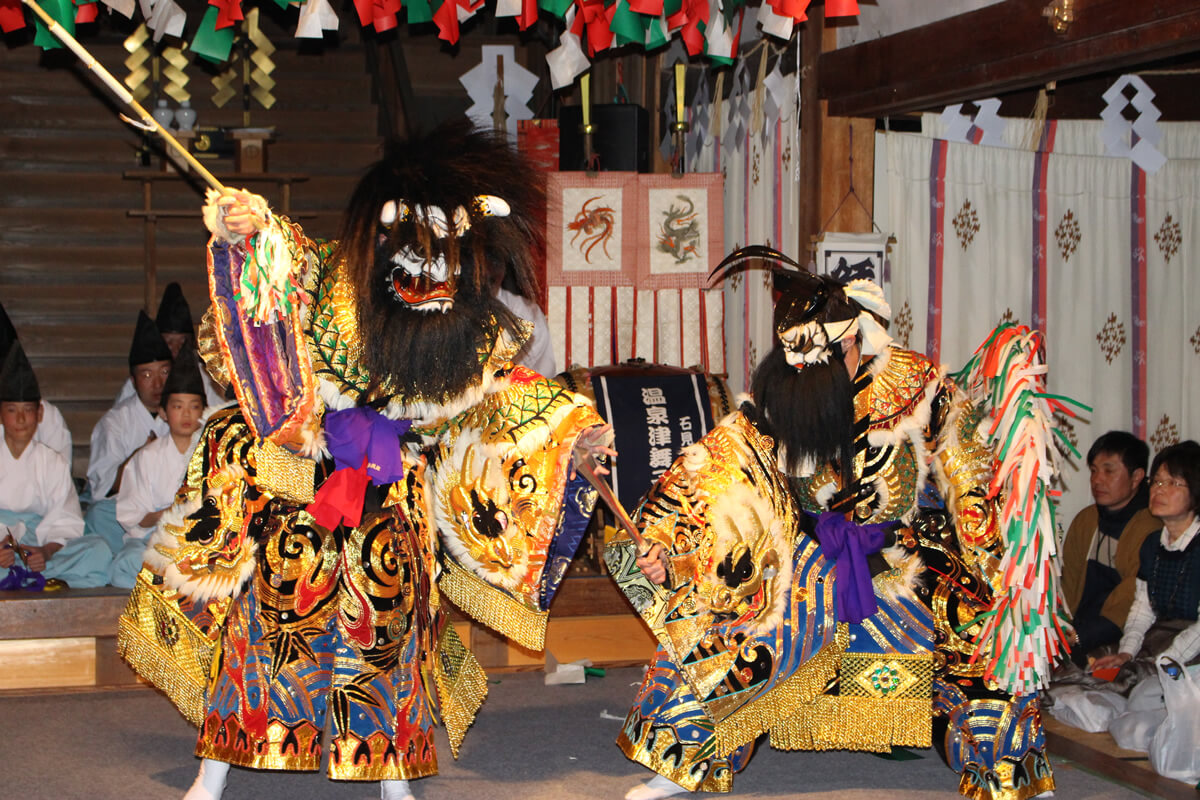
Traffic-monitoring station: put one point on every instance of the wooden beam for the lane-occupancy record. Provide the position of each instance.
(1001, 48)
(812, 121)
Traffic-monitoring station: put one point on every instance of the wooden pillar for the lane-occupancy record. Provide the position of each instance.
(848, 162)
(836, 153)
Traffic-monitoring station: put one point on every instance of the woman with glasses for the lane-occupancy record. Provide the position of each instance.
(1166, 606)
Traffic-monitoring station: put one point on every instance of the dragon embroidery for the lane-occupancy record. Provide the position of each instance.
(679, 233)
(596, 225)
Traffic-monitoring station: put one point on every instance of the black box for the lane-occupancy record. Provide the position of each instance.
(621, 138)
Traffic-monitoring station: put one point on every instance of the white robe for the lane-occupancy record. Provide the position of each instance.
(213, 394)
(39, 482)
(538, 352)
(52, 431)
(121, 431)
(150, 481)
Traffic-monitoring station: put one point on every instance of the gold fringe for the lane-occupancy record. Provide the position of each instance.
(283, 474)
(166, 648)
(461, 684)
(763, 714)
(834, 722)
(489, 605)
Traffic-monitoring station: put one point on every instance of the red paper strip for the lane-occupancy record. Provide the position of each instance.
(12, 17)
(841, 8)
(88, 12)
(228, 12)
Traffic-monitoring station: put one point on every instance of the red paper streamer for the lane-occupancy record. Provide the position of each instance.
(12, 17)
(228, 12)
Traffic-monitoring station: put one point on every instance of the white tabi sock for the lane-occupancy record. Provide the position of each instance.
(656, 788)
(395, 790)
(210, 781)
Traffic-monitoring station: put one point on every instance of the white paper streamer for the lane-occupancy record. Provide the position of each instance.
(1117, 132)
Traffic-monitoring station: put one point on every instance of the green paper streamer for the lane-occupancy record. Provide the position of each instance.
(418, 11)
(63, 12)
(557, 7)
(656, 34)
(211, 43)
(628, 26)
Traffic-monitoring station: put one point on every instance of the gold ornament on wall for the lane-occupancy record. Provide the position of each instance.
(138, 62)
(250, 61)
(174, 77)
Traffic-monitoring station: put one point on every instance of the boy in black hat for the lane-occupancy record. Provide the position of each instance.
(52, 431)
(127, 426)
(41, 530)
(156, 471)
(174, 321)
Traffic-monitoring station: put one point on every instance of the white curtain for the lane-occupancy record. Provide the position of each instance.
(1089, 248)
(762, 201)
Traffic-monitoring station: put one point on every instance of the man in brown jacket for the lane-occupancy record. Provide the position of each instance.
(1100, 552)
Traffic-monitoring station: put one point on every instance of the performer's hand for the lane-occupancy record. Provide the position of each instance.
(653, 564)
(593, 442)
(237, 213)
(234, 214)
(8, 556)
(1116, 660)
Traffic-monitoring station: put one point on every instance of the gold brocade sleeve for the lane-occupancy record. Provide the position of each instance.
(203, 548)
(497, 492)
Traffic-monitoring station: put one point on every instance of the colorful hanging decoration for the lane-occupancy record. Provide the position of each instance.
(1025, 631)
(708, 28)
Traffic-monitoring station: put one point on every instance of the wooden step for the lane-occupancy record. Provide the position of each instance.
(96, 226)
(93, 380)
(120, 265)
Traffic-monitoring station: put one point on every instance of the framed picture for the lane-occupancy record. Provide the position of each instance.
(683, 223)
(591, 239)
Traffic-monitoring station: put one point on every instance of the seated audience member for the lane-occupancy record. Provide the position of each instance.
(1100, 552)
(126, 427)
(52, 431)
(156, 471)
(1165, 616)
(41, 530)
(174, 321)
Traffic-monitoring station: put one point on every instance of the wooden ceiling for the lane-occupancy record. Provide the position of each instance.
(1009, 50)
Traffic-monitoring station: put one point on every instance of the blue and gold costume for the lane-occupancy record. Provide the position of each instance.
(750, 634)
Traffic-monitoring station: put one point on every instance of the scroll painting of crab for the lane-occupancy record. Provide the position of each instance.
(592, 229)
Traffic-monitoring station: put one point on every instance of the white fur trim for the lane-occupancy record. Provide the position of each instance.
(908, 567)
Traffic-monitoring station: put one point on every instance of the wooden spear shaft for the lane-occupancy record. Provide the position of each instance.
(606, 493)
(122, 93)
